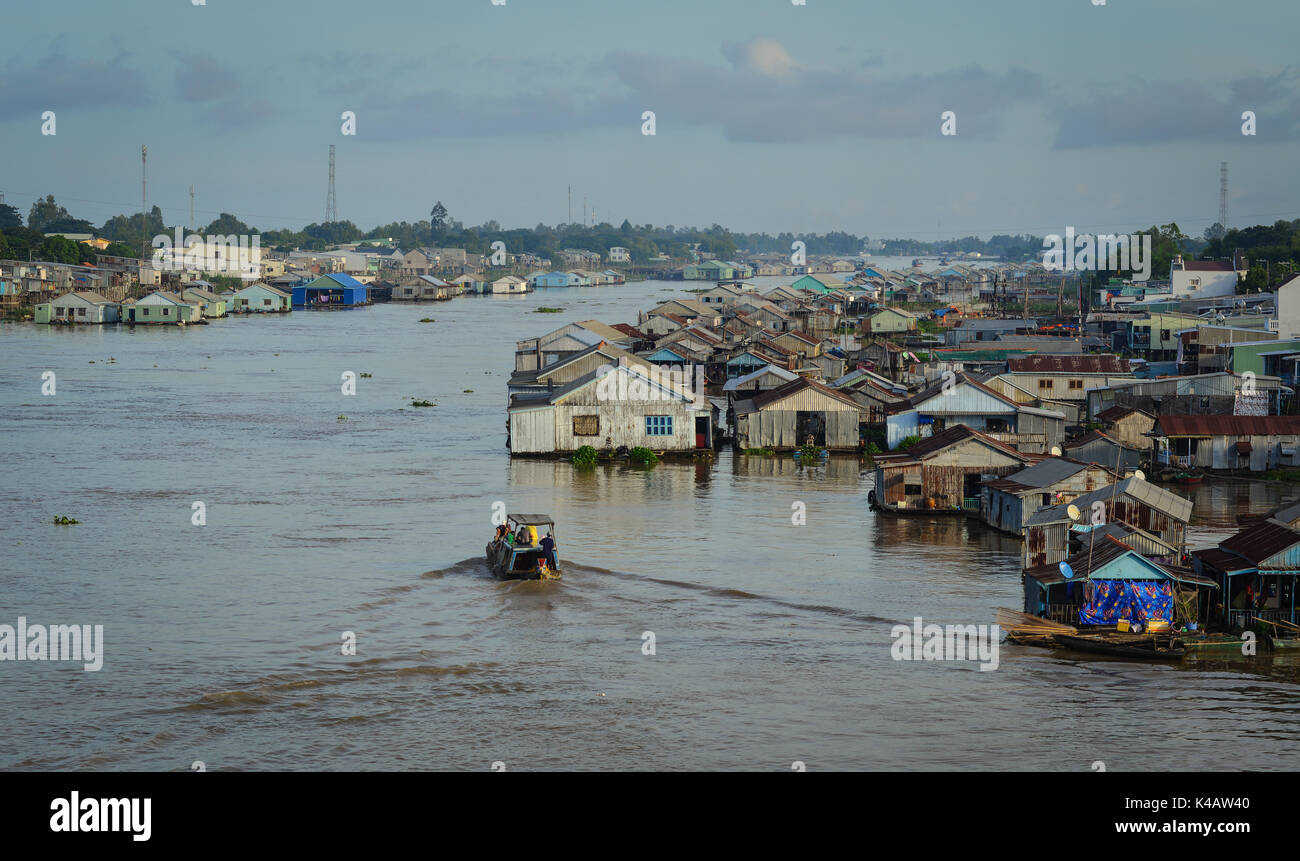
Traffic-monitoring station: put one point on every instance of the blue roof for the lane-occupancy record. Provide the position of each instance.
(344, 280)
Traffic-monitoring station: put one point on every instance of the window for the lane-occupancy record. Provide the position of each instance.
(266, 301)
(911, 490)
(165, 310)
(586, 425)
(81, 312)
(1076, 384)
(658, 425)
(58, 312)
(1044, 384)
(1164, 334)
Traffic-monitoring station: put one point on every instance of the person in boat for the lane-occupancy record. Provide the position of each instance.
(502, 530)
(548, 549)
(521, 539)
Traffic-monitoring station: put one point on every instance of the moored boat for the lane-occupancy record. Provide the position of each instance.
(1141, 646)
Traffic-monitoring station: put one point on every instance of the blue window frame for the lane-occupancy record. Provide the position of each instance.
(658, 425)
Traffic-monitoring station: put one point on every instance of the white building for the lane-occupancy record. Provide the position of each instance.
(84, 307)
(510, 284)
(1202, 279)
(618, 254)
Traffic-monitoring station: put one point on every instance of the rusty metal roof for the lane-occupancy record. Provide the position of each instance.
(1203, 426)
(1067, 365)
(1261, 541)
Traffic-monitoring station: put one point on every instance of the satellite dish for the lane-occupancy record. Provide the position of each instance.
(1056, 451)
(1139, 475)
(1066, 570)
(1073, 511)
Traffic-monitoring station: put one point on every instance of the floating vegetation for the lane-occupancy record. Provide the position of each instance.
(643, 455)
(427, 320)
(759, 452)
(66, 521)
(545, 310)
(809, 453)
(468, 391)
(415, 403)
(584, 457)
(343, 418)
(367, 376)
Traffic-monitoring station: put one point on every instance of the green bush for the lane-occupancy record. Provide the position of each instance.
(641, 454)
(810, 453)
(585, 456)
(907, 442)
(759, 452)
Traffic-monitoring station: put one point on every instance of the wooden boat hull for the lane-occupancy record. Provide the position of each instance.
(1287, 644)
(1136, 648)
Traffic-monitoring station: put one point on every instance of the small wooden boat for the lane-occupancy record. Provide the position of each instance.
(1188, 477)
(1202, 642)
(520, 555)
(1287, 644)
(1140, 646)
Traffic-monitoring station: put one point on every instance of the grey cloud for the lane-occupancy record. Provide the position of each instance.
(55, 82)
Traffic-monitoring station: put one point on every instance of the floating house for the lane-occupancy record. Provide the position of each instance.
(211, 305)
(1133, 502)
(800, 411)
(162, 308)
(610, 408)
(1111, 581)
(509, 284)
(961, 399)
(1008, 502)
(83, 307)
(557, 279)
(260, 299)
(944, 473)
(1257, 571)
(332, 291)
(1255, 443)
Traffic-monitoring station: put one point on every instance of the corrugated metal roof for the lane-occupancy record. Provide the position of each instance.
(1047, 472)
(945, 438)
(1067, 365)
(1227, 425)
(1177, 507)
(1261, 541)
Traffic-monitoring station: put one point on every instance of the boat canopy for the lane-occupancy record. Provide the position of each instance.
(532, 519)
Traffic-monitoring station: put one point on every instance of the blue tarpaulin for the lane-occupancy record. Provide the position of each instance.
(1108, 601)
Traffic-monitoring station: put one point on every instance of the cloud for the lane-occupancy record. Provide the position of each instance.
(767, 96)
(1142, 112)
(222, 101)
(56, 83)
(201, 78)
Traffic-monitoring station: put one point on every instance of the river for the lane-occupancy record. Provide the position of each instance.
(328, 514)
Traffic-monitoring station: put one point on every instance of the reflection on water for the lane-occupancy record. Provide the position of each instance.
(772, 631)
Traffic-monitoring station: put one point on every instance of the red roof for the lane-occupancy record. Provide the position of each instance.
(631, 330)
(1228, 425)
(1207, 266)
(1068, 364)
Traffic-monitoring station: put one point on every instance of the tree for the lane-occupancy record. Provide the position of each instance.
(438, 221)
(45, 212)
(226, 224)
(60, 249)
(1214, 231)
(10, 217)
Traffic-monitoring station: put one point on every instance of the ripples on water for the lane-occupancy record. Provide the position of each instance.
(772, 640)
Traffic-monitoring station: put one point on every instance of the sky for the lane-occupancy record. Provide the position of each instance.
(768, 115)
